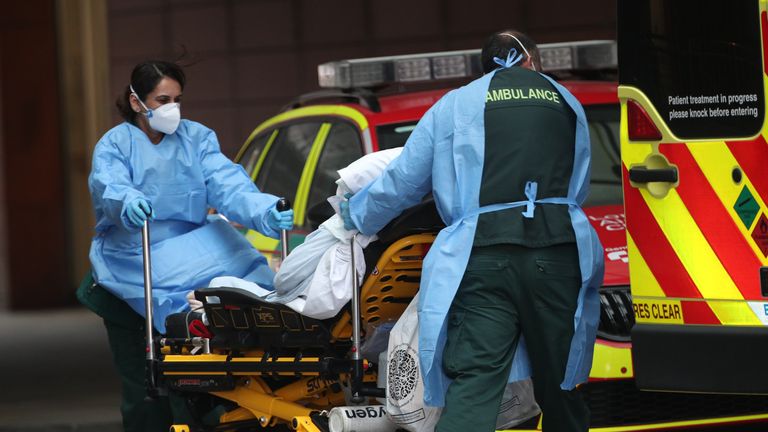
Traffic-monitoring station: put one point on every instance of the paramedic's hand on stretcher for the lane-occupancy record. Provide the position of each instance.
(344, 208)
(138, 211)
(280, 220)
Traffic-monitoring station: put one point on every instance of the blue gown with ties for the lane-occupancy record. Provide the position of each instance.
(445, 155)
(181, 177)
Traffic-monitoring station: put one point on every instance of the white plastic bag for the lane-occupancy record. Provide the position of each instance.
(517, 405)
(405, 388)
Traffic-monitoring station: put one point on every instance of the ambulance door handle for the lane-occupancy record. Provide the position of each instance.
(643, 174)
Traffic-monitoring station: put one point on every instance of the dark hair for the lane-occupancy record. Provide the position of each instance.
(144, 79)
(500, 43)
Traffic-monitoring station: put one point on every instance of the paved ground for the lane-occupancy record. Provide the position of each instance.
(56, 373)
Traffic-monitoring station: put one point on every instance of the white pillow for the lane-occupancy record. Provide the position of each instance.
(362, 171)
(359, 173)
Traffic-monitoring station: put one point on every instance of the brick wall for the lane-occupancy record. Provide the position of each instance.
(253, 56)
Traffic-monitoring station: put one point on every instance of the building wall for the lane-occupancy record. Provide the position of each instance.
(250, 57)
(34, 246)
(4, 267)
(63, 62)
(84, 111)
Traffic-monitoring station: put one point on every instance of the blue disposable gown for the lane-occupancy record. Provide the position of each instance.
(445, 154)
(181, 177)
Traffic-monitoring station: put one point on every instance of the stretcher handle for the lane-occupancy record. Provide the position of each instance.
(283, 204)
(357, 356)
(151, 363)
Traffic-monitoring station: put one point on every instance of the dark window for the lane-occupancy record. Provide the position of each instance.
(285, 160)
(252, 153)
(605, 180)
(342, 147)
(394, 135)
(699, 62)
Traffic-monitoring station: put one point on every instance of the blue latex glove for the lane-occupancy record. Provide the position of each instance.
(345, 216)
(138, 211)
(280, 220)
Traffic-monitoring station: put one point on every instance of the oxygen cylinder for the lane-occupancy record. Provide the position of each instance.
(364, 418)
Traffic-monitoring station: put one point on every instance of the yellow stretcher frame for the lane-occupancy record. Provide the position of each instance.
(289, 403)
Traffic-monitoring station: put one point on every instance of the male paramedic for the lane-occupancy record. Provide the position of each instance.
(509, 287)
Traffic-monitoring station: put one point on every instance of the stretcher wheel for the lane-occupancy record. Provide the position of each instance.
(179, 428)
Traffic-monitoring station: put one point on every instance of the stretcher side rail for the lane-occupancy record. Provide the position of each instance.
(239, 319)
(288, 366)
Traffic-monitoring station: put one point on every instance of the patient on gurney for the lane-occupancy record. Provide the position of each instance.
(315, 279)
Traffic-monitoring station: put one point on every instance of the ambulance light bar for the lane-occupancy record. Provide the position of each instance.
(585, 55)
(368, 72)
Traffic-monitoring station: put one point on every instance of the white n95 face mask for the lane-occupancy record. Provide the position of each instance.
(165, 118)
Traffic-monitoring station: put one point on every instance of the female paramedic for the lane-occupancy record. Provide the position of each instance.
(158, 167)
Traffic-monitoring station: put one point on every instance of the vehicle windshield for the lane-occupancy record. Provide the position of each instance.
(605, 182)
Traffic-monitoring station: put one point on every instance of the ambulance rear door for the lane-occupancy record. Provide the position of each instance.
(695, 171)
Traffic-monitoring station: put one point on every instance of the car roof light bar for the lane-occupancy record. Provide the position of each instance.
(375, 71)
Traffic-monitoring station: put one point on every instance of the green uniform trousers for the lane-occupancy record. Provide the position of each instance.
(125, 330)
(509, 290)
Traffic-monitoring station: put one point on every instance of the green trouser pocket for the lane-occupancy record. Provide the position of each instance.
(452, 364)
(558, 284)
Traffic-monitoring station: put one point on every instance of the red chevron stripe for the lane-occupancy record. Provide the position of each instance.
(752, 157)
(698, 312)
(716, 224)
(654, 246)
(764, 28)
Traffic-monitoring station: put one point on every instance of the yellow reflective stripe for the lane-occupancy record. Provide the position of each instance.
(261, 242)
(665, 426)
(716, 162)
(314, 111)
(698, 258)
(263, 155)
(661, 426)
(737, 312)
(644, 283)
(635, 154)
(611, 362)
(302, 193)
(267, 246)
(246, 144)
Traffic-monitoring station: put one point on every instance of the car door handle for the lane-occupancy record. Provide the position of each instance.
(643, 174)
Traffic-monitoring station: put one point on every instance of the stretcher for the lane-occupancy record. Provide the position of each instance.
(259, 365)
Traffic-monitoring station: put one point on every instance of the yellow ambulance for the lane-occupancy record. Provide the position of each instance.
(692, 77)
